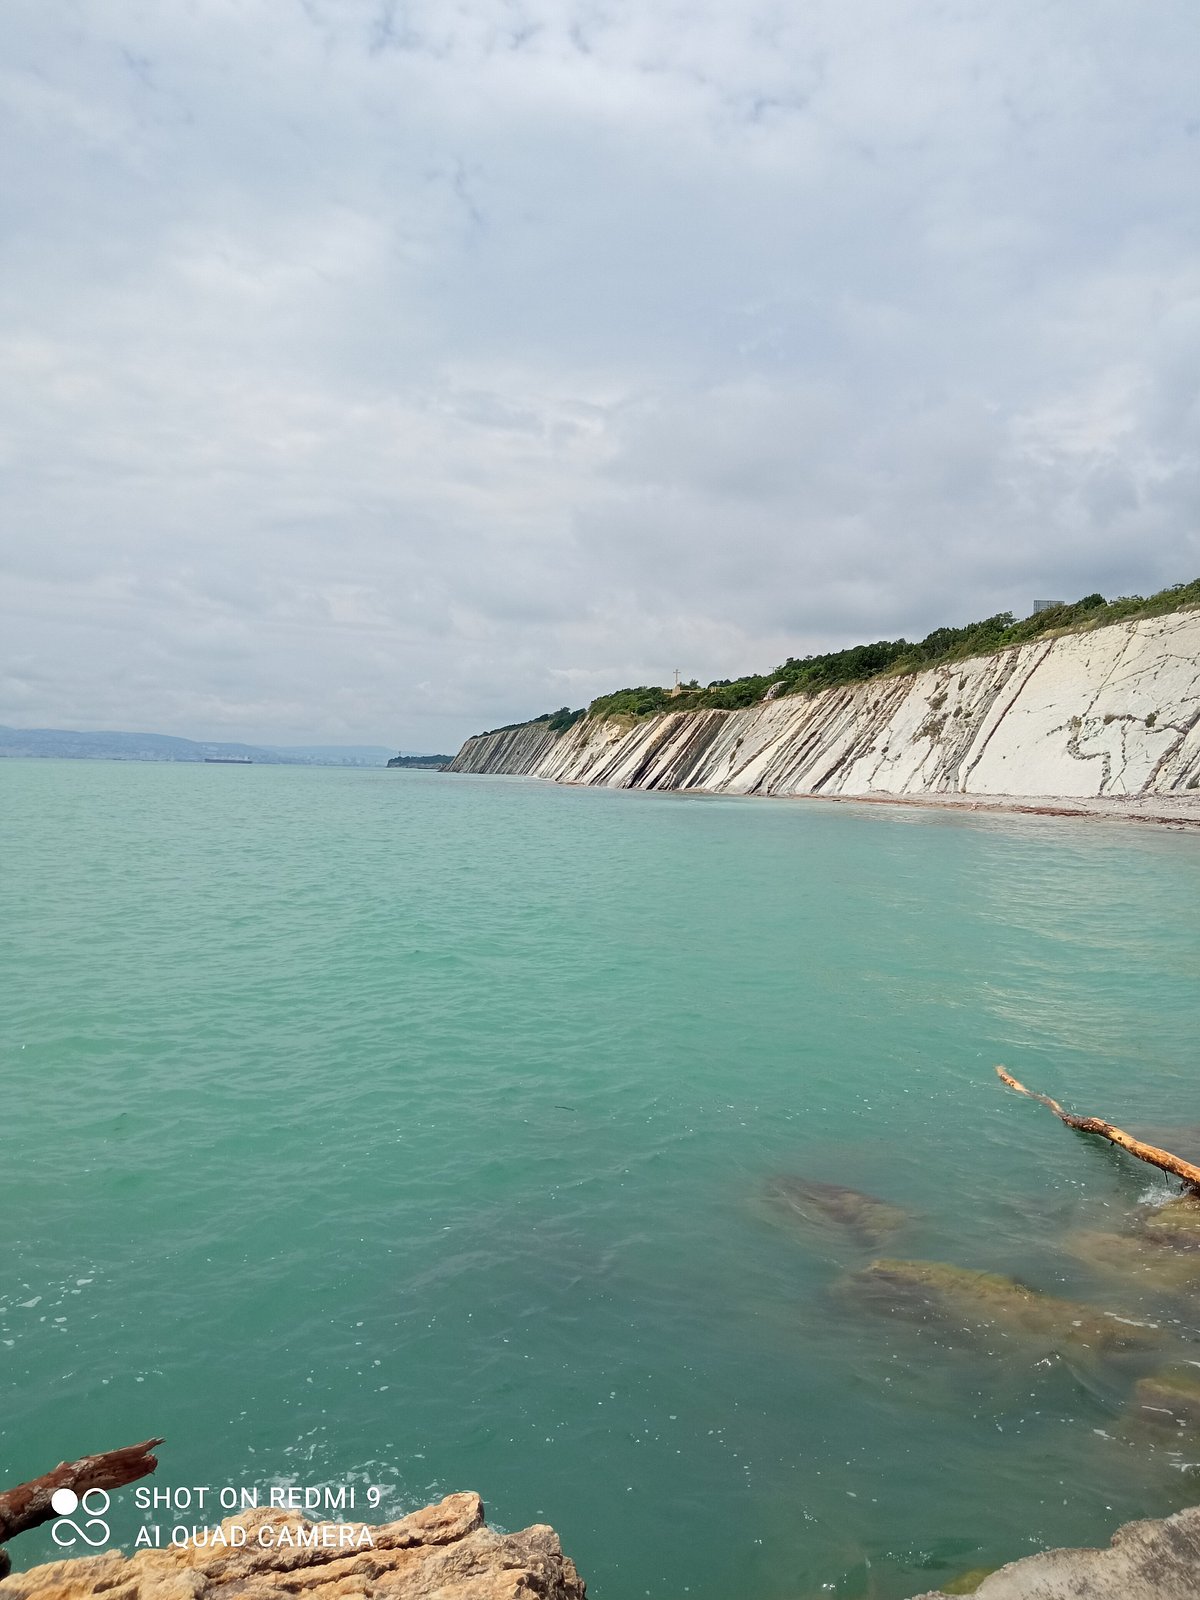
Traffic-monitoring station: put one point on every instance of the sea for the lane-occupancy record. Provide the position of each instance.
(406, 1133)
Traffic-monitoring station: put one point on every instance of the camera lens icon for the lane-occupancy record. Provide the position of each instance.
(94, 1532)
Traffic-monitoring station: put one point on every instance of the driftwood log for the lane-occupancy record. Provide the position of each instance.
(28, 1505)
(1188, 1173)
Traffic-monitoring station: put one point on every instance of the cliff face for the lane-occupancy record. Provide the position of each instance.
(1113, 712)
(515, 752)
(445, 1551)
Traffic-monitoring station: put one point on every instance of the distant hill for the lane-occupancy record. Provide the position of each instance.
(65, 743)
(421, 763)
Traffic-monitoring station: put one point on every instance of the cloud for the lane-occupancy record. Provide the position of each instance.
(379, 372)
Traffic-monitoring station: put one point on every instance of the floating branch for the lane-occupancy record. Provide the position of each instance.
(28, 1505)
(1163, 1159)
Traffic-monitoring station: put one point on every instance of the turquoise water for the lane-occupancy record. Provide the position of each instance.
(414, 1130)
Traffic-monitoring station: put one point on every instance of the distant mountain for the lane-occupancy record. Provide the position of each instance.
(68, 744)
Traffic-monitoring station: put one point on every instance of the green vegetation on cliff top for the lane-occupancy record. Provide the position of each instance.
(892, 657)
(556, 722)
(887, 657)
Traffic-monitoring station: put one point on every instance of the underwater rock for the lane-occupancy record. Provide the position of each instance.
(1151, 1560)
(863, 1216)
(1170, 1398)
(1176, 1223)
(445, 1551)
(938, 1292)
(1134, 1256)
(968, 1582)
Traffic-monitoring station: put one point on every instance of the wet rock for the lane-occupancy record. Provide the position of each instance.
(445, 1551)
(862, 1216)
(1170, 1399)
(971, 1302)
(1151, 1560)
(1176, 1223)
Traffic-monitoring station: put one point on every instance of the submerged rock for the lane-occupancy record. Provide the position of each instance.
(961, 1298)
(1172, 1399)
(968, 1582)
(863, 1216)
(445, 1551)
(1135, 1257)
(1151, 1560)
(1176, 1223)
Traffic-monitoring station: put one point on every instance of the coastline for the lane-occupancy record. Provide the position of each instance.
(1165, 811)
(1084, 725)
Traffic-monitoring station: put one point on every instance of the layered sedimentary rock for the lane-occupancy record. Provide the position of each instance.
(1111, 712)
(513, 751)
(444, 1552)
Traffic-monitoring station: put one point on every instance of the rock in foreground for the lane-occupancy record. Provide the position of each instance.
(1146, 1561)
(445, 1552)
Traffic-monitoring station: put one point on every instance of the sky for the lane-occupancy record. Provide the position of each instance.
(379, 372)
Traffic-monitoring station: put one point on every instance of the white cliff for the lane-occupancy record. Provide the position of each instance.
(1114, 712)
(514, 752)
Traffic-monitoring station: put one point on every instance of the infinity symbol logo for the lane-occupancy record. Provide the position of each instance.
(95, 1530)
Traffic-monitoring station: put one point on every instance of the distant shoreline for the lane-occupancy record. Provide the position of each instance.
(115, 744)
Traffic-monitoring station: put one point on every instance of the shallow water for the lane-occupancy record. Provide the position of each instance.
(415, 1130)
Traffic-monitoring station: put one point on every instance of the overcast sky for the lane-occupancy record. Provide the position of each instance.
(381, 371)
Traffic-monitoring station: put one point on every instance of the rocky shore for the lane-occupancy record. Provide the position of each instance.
(445, 1552)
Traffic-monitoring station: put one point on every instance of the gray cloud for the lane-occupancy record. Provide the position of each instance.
(379, 371)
